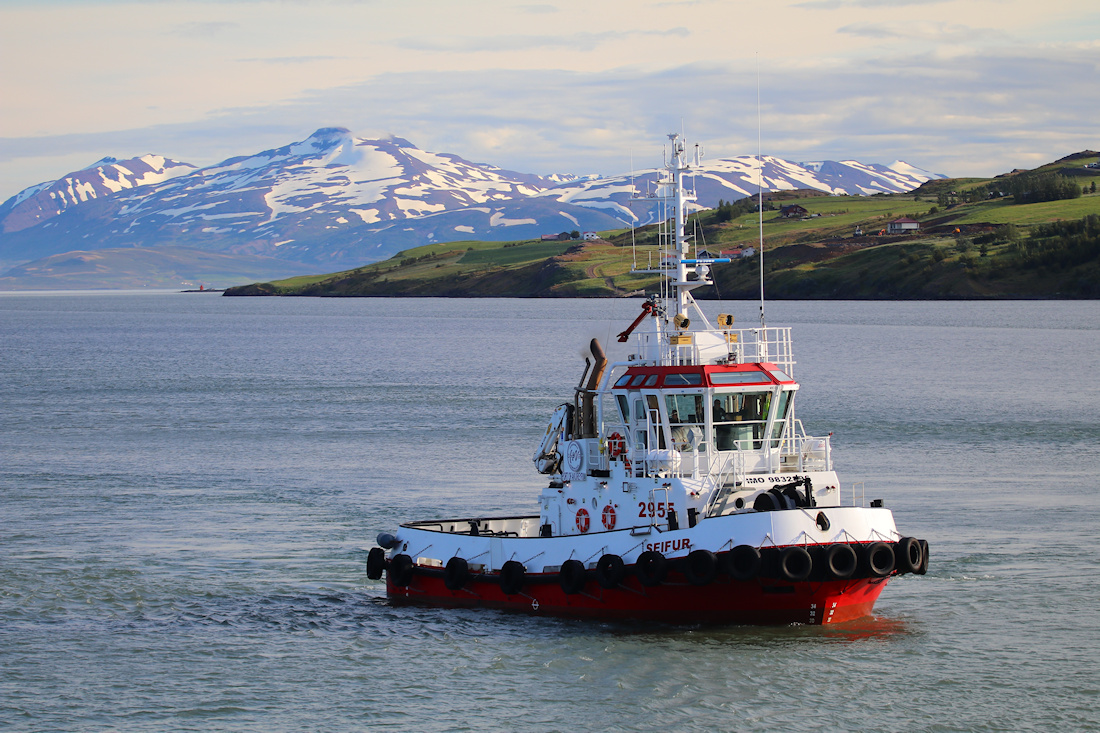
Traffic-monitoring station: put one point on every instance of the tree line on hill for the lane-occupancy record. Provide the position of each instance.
(1024, 188)
(729, 210)
(1061, 245)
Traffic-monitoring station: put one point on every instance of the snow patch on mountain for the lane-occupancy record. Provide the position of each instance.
(499, 220)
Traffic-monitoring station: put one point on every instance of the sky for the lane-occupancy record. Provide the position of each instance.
(959, 87)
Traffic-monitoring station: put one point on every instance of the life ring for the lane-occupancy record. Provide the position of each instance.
(651, 568)
(610, 571)
(456, 573)
(401, 570)
(512, 576)
(907, 555)
(376, 563)
(879, 558)
(795, 564)
(616, 445)
(841, 561)
(608, 517)
(572, 576)
(742, 562)
(583, 520)
(701, 567)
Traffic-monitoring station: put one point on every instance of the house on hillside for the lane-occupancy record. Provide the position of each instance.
(590, 236)
(794, 211)
(739, 253)
(903, 225)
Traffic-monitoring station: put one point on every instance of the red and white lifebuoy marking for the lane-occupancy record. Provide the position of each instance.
(608, 517)
(583, 521)
(616, 445)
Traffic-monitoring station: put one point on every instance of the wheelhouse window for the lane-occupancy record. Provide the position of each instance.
(783, 403)
(686, 420)
(740, 419)
(624, 407)
(679, 378)
(756, 377)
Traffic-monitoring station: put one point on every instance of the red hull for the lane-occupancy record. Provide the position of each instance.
(725, 601)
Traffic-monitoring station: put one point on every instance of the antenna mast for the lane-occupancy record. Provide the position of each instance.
(760, 188)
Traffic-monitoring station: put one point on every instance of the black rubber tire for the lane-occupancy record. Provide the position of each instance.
(610, 571)
(376, 563)
(401, 570)
(456, 574)
(923, 558)
(571, 577)
(841, 561)
(701, 567)
(652, 567)
(795, 564)
(907, 555)
(742, 563)
(512, 577)
(880, 559)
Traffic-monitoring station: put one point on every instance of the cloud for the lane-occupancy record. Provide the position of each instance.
(290, 59)
(203, 29)
(538, 9)
(977, 114)
(887, 4)
(935, 32)
(579, 41)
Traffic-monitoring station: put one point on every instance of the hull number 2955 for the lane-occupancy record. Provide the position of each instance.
(657, 509)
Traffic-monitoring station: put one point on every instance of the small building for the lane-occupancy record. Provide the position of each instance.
(903, 226)
(590, 236)
(794, 211)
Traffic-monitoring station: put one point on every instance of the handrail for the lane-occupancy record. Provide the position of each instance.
(745, 345)
(862, 493)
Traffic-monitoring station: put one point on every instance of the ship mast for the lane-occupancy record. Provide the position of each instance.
(680, 272)
(677, 167)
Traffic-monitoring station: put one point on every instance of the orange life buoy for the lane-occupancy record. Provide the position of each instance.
(608, 517)
(582, 520)
(616, 445)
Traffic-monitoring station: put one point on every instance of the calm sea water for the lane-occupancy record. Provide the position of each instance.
(188, 483)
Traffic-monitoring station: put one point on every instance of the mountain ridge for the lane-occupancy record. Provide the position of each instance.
(336, 200)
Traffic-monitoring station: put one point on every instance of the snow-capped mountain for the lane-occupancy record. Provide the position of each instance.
(730, 179)
(335, 200)
(37, 204)
(331, 200)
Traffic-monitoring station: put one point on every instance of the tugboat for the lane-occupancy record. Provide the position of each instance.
(680, 485)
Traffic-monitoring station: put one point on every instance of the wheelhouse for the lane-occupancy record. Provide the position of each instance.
(703, 418)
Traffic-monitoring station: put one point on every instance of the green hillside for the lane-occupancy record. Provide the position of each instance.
(975, 241)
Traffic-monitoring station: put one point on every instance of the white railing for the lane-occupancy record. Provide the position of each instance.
(744, 346)
(790, 453)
